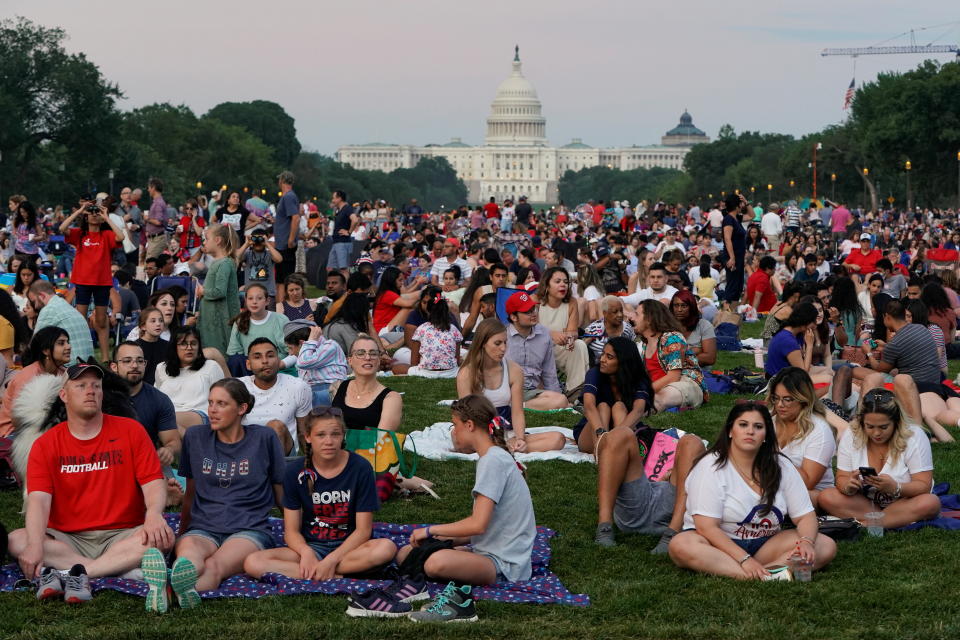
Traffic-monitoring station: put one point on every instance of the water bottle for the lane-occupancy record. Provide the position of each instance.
(800, 568)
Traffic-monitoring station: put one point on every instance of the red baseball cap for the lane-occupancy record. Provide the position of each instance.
(453, 241)
(520, 302)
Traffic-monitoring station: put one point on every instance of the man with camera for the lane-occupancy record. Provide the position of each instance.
(258, 255)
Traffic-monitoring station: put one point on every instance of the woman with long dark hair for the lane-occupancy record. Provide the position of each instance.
(939, 310)
(27, 273)
(845, 299)
(676, 377)
(185, 375)
(738, 495)
(391, 307)
(27, 229)
(616, 392)
(698, 333)
(435, 344)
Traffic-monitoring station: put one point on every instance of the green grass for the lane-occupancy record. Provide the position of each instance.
(899, 586)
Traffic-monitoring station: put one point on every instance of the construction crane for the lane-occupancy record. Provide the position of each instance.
(913, 47)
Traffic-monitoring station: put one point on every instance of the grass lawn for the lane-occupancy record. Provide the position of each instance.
(900, 586)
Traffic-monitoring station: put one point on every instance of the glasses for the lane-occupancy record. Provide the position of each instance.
(188, 345)
(129, 361)
(787, 401)
(363, 353)
(324, 412)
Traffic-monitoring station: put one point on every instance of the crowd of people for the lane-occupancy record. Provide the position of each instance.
(223, 388)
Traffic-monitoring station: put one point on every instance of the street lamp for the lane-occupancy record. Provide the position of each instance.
(199, 185)
(908, 166)
(833, 186)
(111, 181)
(866, 172)
(223, 187)
(263, 192)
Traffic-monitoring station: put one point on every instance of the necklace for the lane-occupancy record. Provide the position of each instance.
(749, 479)
(357, 394)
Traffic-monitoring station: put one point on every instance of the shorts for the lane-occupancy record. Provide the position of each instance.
(752, 545)
(323, 549)
(205, 419)
(530, 394)
(339, 257)
(691, 395)
(501, 577)
(288, 265)
(99, 293)
(941, 390)
(644, 507)
(92, 544)
(262, 539)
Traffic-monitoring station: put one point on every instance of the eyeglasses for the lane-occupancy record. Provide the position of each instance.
(363, 353)
(323, 412)
(786, 401)
(188, 345)
(129, 361)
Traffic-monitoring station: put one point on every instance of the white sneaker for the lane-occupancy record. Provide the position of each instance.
(778, 573)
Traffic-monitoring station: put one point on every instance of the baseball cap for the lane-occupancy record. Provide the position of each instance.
(77, 370)
(866, 236)
(453, 241)
(520, 302)
(295, 325)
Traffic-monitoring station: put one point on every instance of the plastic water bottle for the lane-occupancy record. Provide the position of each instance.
(801, 569)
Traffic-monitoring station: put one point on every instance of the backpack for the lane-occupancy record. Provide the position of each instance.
(717, 382)
(728, 337)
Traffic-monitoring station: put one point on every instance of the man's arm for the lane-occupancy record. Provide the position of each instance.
(38, 514)
(170, 443)
(156, 532)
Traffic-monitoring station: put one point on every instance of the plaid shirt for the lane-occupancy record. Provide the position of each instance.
(59, 313)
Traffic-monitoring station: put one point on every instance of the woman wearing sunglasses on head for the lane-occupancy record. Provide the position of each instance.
(738, 495)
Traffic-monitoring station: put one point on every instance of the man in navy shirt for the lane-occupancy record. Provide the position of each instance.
(344, 223)
(286, 229)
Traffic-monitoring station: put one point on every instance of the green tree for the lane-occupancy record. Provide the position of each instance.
(267, 121)
(50, 97)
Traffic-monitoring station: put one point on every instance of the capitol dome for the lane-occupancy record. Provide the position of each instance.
(515, 118)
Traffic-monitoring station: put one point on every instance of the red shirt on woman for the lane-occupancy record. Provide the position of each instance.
(94, 251)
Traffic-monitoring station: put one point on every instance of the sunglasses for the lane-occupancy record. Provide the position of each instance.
(326, 412)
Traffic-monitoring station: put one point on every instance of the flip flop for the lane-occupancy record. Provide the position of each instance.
(183, 579)
(154, 567)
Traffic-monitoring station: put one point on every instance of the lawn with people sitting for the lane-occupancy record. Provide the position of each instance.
(902, 585)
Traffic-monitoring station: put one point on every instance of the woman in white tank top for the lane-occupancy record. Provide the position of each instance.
(486, 370)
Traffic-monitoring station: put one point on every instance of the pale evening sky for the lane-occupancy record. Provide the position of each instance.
(613, 72)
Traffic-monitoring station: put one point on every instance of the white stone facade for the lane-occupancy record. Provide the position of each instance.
(516, 158)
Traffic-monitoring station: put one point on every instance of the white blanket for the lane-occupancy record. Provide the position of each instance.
(435, 443)
(449, 403)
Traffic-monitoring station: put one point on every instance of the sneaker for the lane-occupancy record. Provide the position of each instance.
(76, 585)
(376, 603)
(780, 573)
(183, 579)
(50, 584)
(604, 536)
(663, 543)
(454, 604)
(154, 567)
(408, 589)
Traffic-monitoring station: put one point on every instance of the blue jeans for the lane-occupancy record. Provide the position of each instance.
(262, 539)
(321, 394)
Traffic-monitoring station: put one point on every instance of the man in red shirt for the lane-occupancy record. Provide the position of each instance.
(864, 260)
(760, 293)
(95, 497)
(491, 210)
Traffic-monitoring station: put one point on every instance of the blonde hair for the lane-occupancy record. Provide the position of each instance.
(800, 387)
(884, 402)
(482, 413)
(227, 236)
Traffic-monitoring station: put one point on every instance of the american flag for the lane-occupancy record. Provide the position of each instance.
(848, 96)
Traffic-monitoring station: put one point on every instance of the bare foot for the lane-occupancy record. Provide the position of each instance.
(174, 493)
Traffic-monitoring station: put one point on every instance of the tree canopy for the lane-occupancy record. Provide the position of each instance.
(267, 121)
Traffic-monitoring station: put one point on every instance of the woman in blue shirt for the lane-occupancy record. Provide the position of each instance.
(792, 346)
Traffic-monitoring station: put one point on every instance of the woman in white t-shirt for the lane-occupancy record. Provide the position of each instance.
(738, 495)
(803, 434)
(883, 464)
(186, 376)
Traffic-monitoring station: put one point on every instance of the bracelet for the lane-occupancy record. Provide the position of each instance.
(745, 558)
(896, 494)
(806, 539)
(429, 535)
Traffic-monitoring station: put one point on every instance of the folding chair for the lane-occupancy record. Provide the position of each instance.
(189, 283)
(502, 294)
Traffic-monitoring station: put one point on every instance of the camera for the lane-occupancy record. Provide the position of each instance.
(91, 208)
(258, 238)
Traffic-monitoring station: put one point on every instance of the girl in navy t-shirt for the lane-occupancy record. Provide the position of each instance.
(328, 504)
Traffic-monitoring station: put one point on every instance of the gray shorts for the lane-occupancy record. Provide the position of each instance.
(644, 507)
(92, 544)
(530, 394)
(339, 257)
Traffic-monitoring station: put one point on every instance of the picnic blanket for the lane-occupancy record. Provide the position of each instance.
(435, 443)
(544, 587)
(949, 511)
(448, 403)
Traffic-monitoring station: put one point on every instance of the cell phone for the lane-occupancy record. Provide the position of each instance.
(867, 471)
(872, 343)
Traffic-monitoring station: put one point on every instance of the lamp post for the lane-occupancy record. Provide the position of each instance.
(792, 185)
(833, 187)
(769, 192)
(199, 185)
(866, 172)
(908, 166)
(111, 181)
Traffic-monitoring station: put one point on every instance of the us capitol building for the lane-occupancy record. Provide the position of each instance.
(516, 159)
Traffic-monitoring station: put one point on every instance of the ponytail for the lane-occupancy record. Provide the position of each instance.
(481, 411)
(242, 319)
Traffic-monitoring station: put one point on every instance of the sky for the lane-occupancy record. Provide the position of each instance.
(612, 72)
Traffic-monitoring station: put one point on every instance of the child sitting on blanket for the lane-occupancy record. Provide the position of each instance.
(328, 506)
(501, 530)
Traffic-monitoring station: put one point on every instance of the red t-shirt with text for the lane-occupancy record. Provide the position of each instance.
(94, 251)
(95, 483)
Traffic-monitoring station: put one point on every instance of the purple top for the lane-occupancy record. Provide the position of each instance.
(158, 211)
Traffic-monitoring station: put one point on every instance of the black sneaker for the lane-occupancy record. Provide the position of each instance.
(454, 604)
(407, 588)
(376, 604)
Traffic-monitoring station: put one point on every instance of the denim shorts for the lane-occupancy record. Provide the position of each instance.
(203, 416)
(752, 545)
(339, 257)
(323, 549)
(261, 539)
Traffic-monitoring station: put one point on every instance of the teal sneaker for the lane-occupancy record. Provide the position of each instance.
(454, 604)
(183, 579)
(154, 567)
